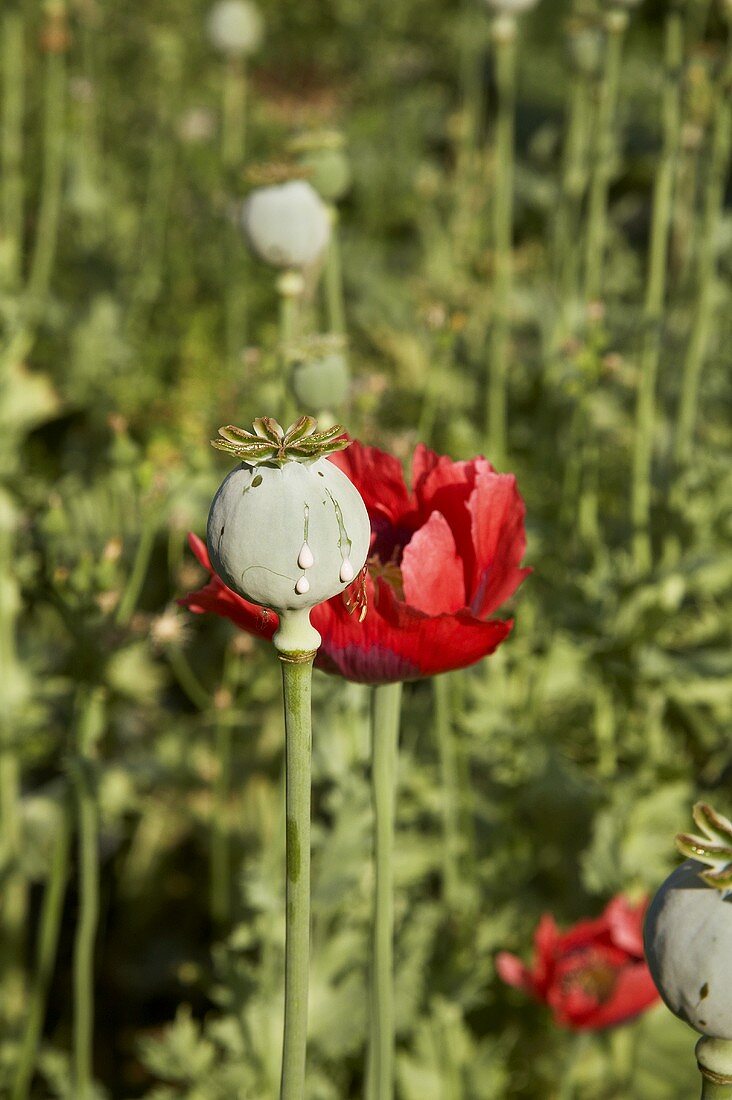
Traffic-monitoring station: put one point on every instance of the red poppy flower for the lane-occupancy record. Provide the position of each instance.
(443, 557)
(592, 976)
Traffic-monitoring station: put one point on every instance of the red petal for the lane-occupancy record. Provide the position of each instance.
(431, 569)
(220, 600)
(397, 642)
(634, 992)
(198, 546)
(626, 924)
(378, 477)
(499, 540)
(441, 485)
(512, 971)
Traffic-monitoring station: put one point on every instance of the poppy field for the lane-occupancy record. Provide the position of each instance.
(447, 286)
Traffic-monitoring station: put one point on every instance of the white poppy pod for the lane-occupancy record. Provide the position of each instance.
(287, 225)
(287, 529)
(280, 535)
(235, 27)
(688, 941)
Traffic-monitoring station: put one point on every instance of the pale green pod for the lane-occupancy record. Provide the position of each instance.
(329, 171)
(288, 536)
(322, 382)
(688, 944)
(288, 225)
(235, 27)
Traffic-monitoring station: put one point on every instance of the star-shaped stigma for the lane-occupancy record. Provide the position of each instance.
(271, 443)
(713, 848)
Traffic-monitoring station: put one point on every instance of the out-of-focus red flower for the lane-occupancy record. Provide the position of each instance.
(592, 976)
(443, 558)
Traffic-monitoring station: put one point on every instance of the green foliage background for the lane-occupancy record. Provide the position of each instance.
(134, 322)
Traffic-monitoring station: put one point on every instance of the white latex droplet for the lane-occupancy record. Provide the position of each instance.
(346, 573)
(302, 586)
(305, 558)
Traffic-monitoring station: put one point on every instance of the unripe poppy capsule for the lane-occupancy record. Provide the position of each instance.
(287, 529)
(688, 931)
(288, 224)
(235, 27)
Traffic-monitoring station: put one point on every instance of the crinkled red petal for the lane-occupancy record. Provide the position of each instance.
(432, 571)
(397, 642)
(497, 515)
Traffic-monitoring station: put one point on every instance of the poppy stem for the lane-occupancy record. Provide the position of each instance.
(297, 671)
(89, 727)
(504, 37)
(450, 782)
(714, 1058)
(616, 22)
(48, 935)
(645, 414)
(385, 738)
(234, 112)
(334, 296)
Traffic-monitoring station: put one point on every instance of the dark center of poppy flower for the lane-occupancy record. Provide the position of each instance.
(594, 977)
(390, 571)
(389, 540)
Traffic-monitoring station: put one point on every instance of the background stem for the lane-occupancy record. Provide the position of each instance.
(385, 736)
(645, 417)
(503, 168)
(50, 924)
(88, 730)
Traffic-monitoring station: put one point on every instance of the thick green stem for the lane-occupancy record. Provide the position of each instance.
(645, 417)
(450, 782)
(48, 934)
(297, 671)
(704, 308)
(14, 895)
(220, 854)
(604, 159)
(503, 166)
(574, 181)
(54, 121)
(714, 1058)
(385, 738)
(234, 108)
(88, 731)
(13, 79)
(334, 280)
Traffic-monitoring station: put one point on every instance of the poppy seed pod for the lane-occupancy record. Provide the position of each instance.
(321, 382)
(287, 225)
(287, 529)
(688, 931)
(235, 27)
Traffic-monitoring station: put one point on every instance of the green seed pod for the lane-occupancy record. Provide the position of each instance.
(287, 529)
(329, 171)
(322, 382)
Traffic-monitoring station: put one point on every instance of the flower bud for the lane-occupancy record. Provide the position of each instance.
(235, 27)
(287, 225)
(287, 529)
